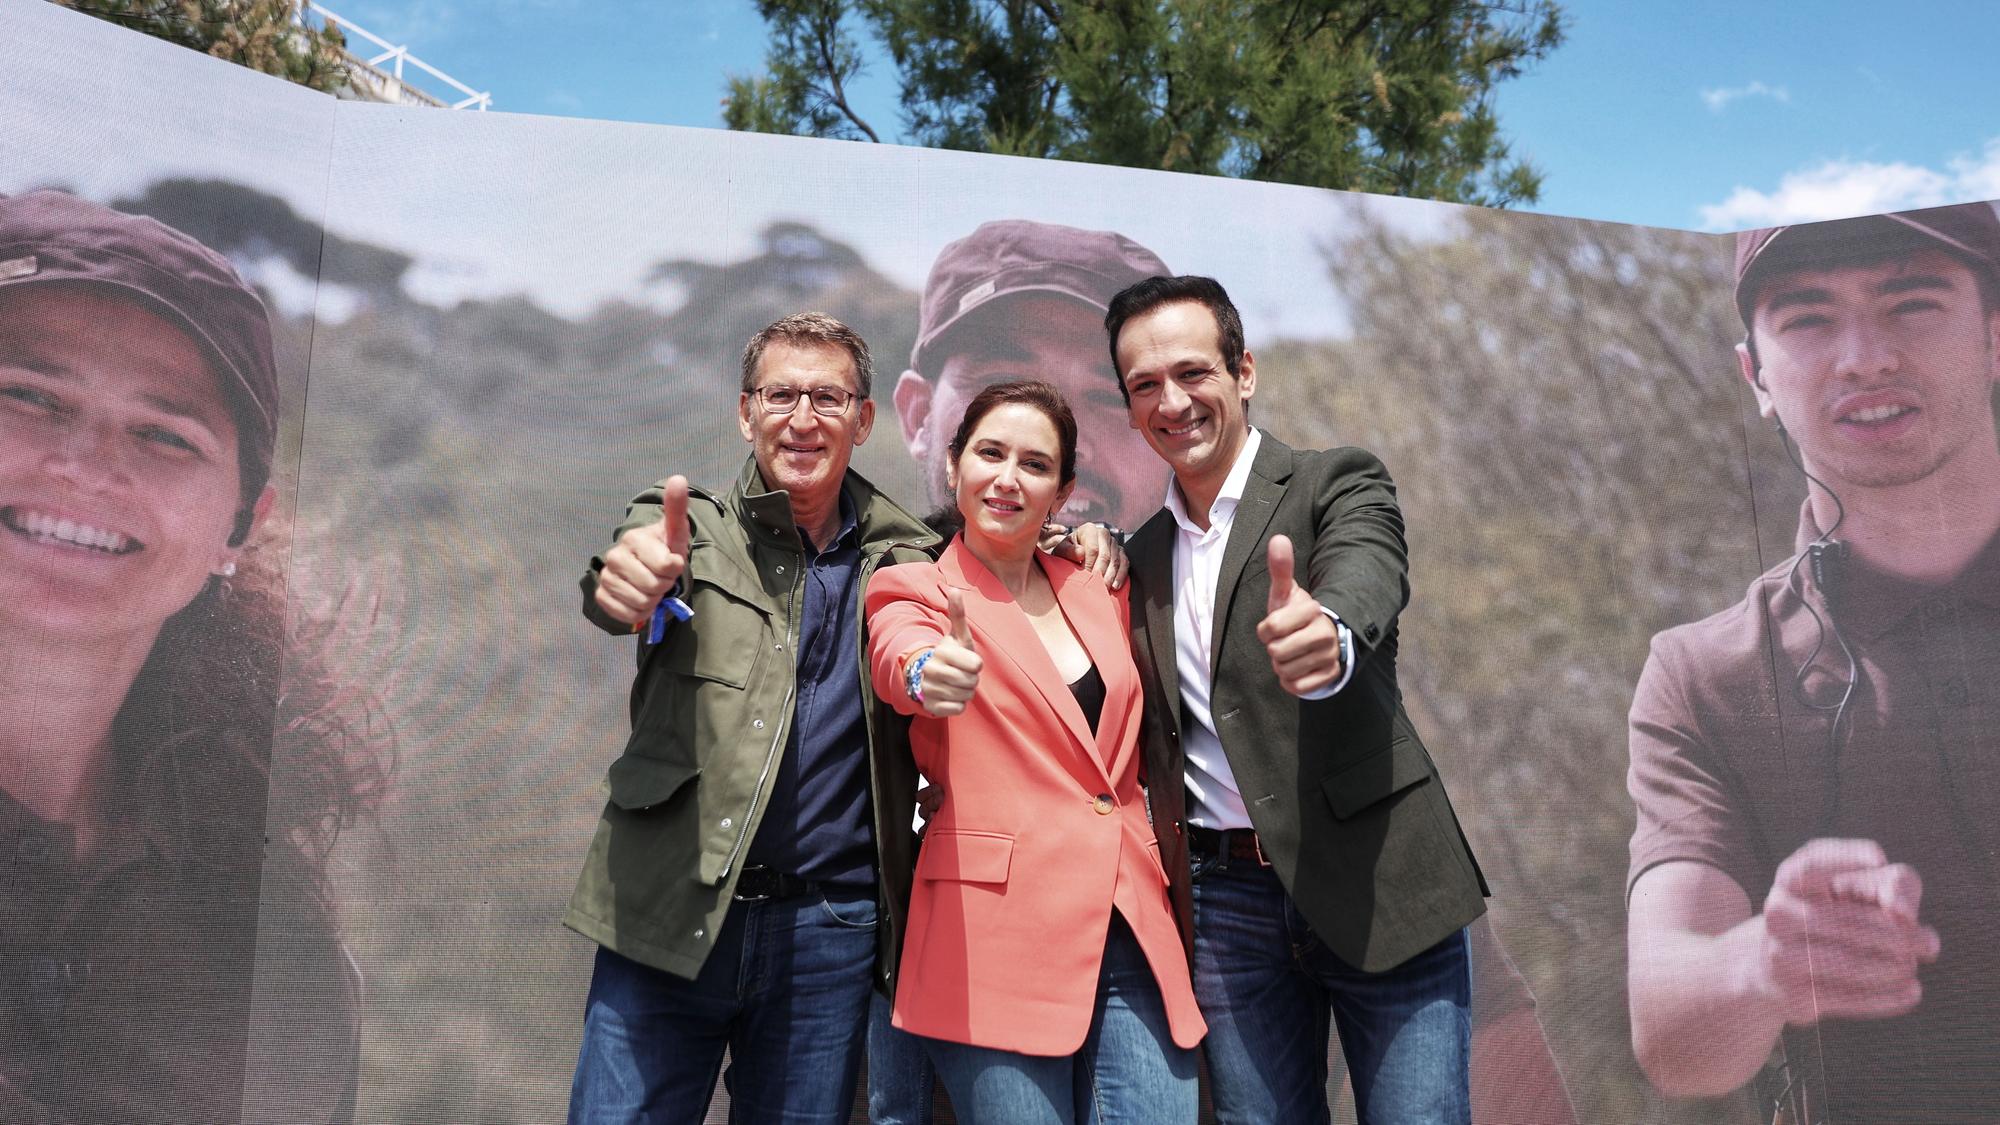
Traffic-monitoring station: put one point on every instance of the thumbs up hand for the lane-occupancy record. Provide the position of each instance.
(1300, 637)
(951, 675)
(648, 560)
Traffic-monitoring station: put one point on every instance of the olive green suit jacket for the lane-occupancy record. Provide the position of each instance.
(1348, 807)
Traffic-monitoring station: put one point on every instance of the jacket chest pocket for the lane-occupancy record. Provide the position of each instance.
(711, 682)
(735, 622)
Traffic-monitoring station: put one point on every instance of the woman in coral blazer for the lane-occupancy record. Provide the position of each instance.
(1042, 965)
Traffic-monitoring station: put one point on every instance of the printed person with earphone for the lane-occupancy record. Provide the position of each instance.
(1813, 885)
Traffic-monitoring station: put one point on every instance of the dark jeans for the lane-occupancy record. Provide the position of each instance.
(785, 990)
(1267, 987)
(900, 1075)
(1128, 1070)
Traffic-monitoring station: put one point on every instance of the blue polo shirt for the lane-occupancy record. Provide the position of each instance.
(818, 824)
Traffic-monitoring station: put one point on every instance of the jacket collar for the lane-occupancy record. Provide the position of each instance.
(1269, 472)
(879, 521)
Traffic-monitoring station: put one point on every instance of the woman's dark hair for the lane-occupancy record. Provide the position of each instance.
(234, 693)
(1034, 393)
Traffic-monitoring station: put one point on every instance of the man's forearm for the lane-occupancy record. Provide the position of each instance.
(1703, 1024)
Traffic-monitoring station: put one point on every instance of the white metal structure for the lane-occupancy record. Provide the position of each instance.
(380, 77)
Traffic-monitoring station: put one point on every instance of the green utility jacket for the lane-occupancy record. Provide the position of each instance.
(712, 705)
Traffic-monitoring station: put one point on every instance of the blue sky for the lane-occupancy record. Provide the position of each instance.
(1693, 113)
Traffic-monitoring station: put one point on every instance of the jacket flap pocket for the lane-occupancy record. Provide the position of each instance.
(968, 857)
(711, 563)
(640, 783)
(1382, 774)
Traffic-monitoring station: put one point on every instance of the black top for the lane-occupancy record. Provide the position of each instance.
(1089, 691)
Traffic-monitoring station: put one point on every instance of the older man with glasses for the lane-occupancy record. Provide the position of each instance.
(755, 853)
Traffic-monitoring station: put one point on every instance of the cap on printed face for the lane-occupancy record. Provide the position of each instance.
(1012, 256)
(51, 236)
(1969, 231)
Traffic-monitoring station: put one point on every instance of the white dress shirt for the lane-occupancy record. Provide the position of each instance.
(1216, 801)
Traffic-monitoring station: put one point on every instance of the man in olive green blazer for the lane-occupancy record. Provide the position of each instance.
(1317, 865)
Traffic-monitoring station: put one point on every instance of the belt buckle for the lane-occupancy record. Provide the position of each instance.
(741, 895)
(1257, 846)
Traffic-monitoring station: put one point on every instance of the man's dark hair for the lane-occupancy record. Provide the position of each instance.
(1968, 233)
(1143, 297)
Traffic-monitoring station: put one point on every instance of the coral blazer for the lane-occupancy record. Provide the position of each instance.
(1043, 829)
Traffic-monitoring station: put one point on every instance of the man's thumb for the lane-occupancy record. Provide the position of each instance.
(1278, 555)
(674, 514)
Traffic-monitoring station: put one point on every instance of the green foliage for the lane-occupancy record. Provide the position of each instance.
(1389, 96)
(264, 35)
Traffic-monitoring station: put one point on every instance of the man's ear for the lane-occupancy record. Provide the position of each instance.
(912, 399)
(1746, 363)
(864, 420)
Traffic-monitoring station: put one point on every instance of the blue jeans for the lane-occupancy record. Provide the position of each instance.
(1129, 1069)
(1267, 986)
(785, 990)
(900, 1076)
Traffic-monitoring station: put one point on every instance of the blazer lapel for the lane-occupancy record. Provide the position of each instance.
(993, 610)
(1261, 493)
(1093, 616)
(1152, 556)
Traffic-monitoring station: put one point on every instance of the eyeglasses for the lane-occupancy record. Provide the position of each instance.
(830, 401)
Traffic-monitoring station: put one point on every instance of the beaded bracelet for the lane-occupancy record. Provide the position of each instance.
(913, 680)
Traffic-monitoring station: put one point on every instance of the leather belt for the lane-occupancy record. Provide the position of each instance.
(761, 884)
(1236, 843)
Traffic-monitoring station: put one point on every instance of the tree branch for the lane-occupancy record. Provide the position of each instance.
(824, 33)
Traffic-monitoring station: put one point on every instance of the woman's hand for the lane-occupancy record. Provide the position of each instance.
(951, 674)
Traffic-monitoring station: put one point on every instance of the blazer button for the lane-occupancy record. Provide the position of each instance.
(1102, 804)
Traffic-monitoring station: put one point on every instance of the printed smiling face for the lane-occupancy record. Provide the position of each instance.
(1009, 476)
(119, 481)
(1882, 373)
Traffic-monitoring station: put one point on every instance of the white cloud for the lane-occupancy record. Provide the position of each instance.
(1718, 99)
(1836, 189)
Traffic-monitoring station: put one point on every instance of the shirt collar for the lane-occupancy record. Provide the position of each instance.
(850, 524)
(1232, 486)
(1871, 602)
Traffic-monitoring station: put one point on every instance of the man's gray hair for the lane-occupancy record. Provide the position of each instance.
(810, 329)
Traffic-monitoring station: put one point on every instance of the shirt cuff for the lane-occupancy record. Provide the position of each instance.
(1346, 659)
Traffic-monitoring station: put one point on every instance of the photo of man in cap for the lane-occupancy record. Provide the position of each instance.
(1813, 874)
(1024, 300)
(142, 639)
